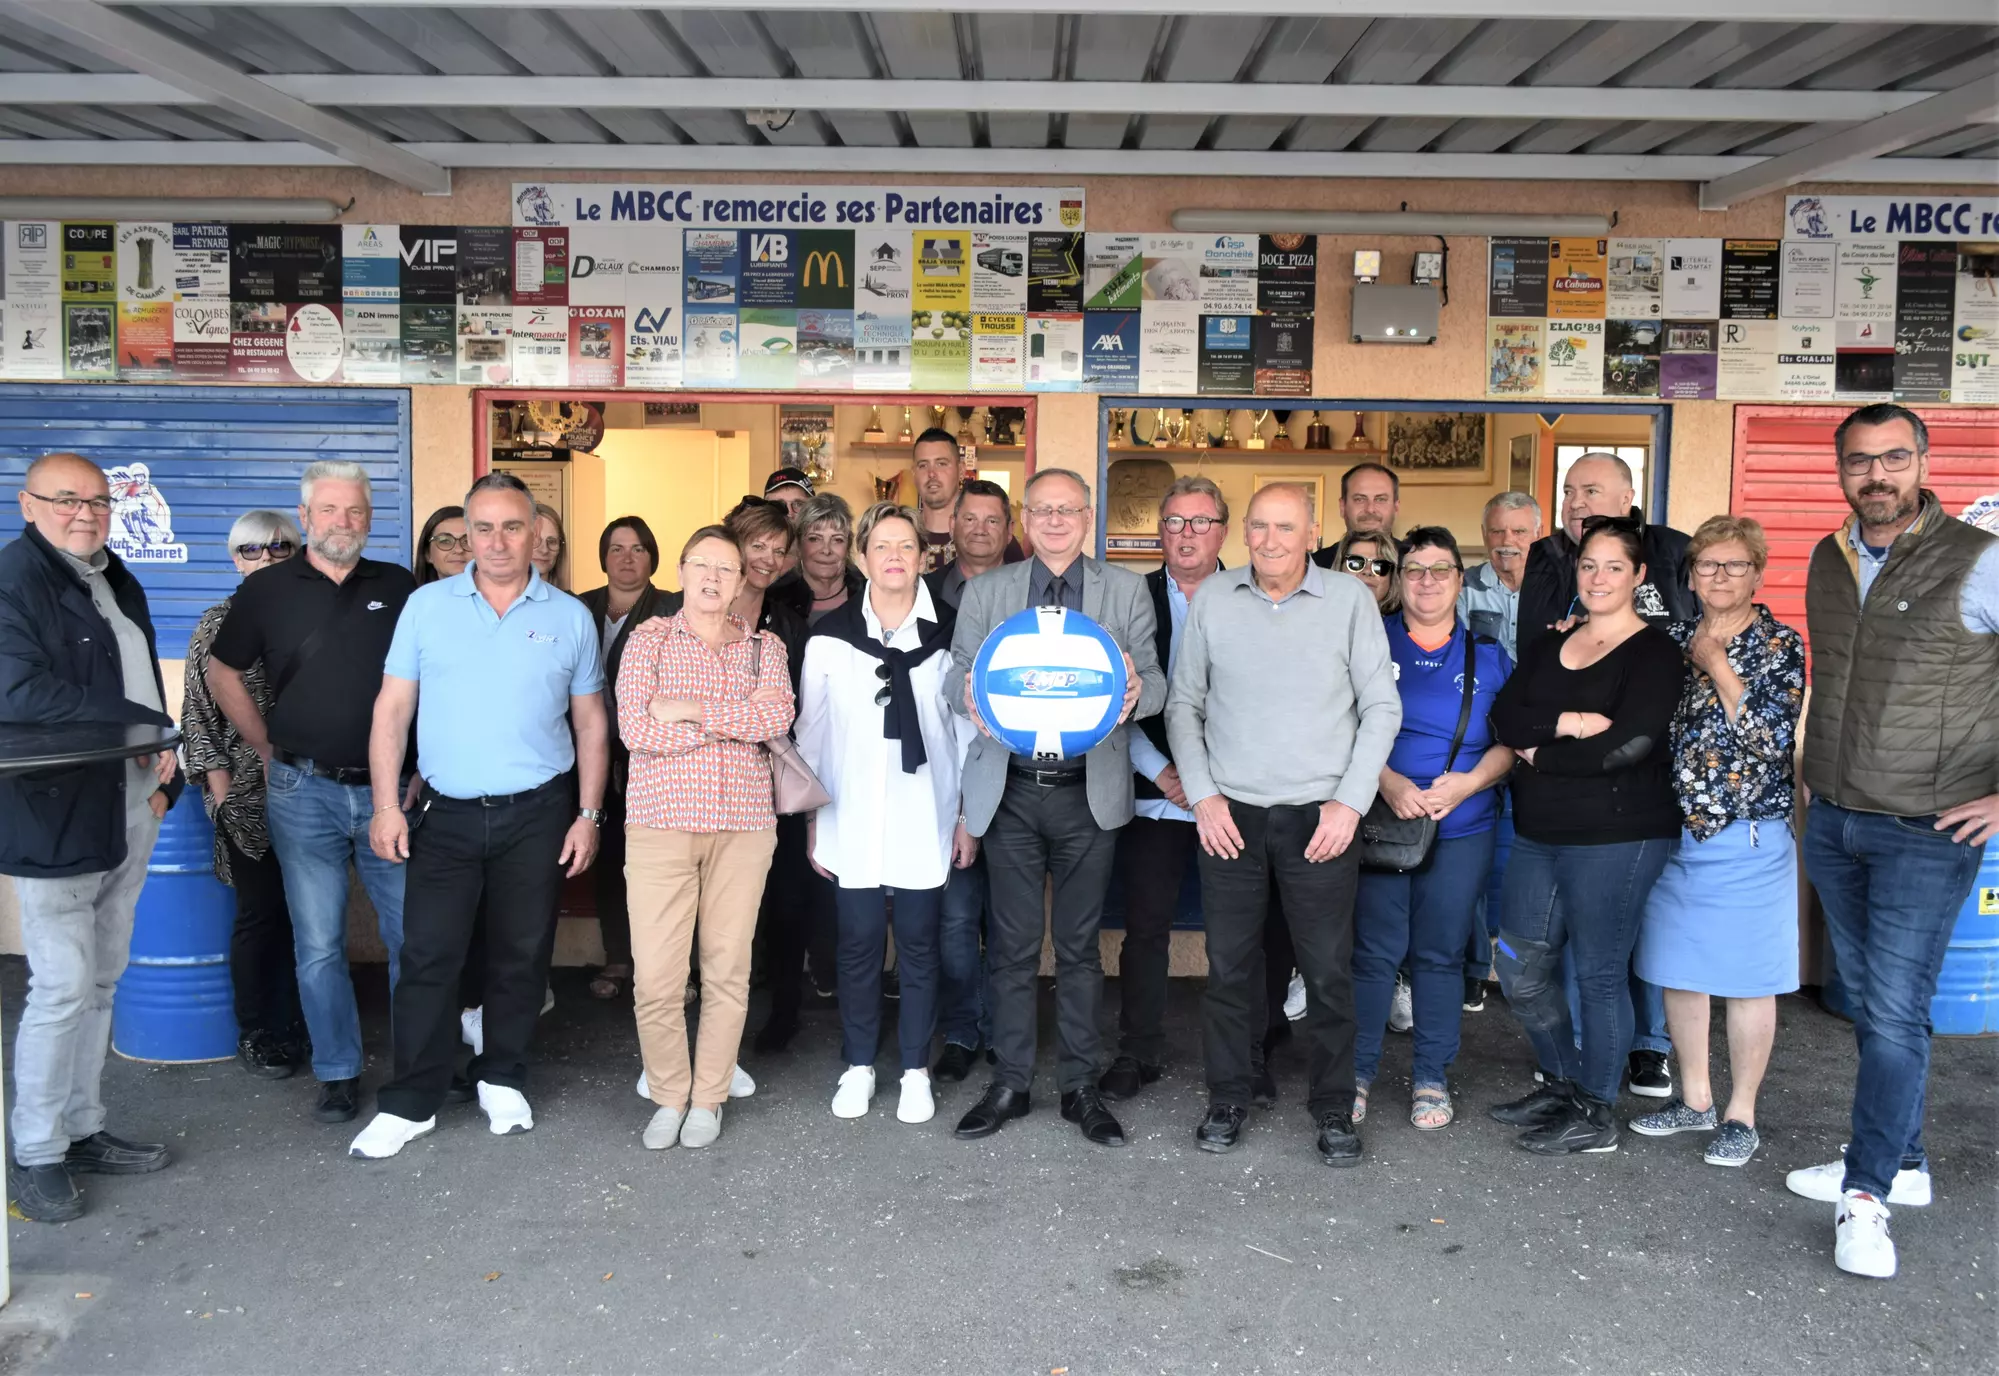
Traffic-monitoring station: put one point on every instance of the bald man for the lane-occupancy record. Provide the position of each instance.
(1600, 485)
(76, 647)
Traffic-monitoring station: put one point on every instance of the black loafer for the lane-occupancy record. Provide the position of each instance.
(1085, 1108)
(956, 1062)
(1126, 1077)
(264, 1056)
(102, 1154)
(994, 1108)
(1221, 1129)
(1547, 1103)
(1339, 1144)
(45, 1193)
(339, 1101)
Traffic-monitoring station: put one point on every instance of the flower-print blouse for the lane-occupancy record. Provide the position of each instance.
(1739, 771)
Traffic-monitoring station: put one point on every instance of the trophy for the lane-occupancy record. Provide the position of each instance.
(1159, 437)
(874, 434)
(907, 435)
(1282, 439)
(1255, 440)
(1118, 418)
(1202, 439)
(937, 416)
(1318, 435)
(1359, 439)
(1227, 441)
(885, 487)
(965, 435)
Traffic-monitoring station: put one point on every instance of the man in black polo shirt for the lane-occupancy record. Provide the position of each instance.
(322, 627)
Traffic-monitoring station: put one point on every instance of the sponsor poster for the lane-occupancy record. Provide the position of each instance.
(1749, 279)
(1636, 288)
(766, 347)
(1805, 354)
(1925, 296)
(828, 274)
(1229, 274)
(89, 353)
(999, 351)
(1574, 366)
(1055, 274)
(1746, 360)
(33, 351)
(1519, 279)
(485, 345)
(145, 301)
(201, 262)
(708, 346)
(999, 277)
(1170, 268)
(540, 343)
(374, 335)
(653, 311)
(597, 345)
(314, 345)
(145, 340)
(31, 260)
(370, 263)
(1576, 285)
(1864, 360)
(1112, 266)
(597, 261)
(541, 267)
(1809, 281)
(711, 267)
(1228, 355)
(429, 341)
(1865, 280)
(1631, 358)
(1283, 350)
(742, 204)
(1974, 371)
(1687, 360)
(201, 334)
(1514, 363)
(145, 262)
(1287, 273)
(285, 263)
(257, 340)
(1691, 285)
(769, 274)
(1111, 349)
(825, 347)
(89, 263)
(1169, 338)
(941, 275)
(1055, 352)
(485, 273)
(882, 343)
(941, 364)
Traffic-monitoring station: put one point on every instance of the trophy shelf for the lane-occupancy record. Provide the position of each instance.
(1238, 452)
(903, 448)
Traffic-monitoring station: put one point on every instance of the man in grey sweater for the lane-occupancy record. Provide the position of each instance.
(1281, 715)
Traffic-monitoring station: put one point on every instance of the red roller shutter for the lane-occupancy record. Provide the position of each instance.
(1784, 476)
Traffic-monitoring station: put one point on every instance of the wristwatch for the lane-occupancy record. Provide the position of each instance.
(591, 814)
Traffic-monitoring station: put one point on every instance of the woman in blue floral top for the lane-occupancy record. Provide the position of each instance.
(1723, 919)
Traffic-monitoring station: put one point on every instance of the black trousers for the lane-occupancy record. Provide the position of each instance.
(786, 921)
(1279, 960)
(1152, 859)
(467, 857)
(263, 972)
(1318, 907)
(614, 913)
(1042, 833)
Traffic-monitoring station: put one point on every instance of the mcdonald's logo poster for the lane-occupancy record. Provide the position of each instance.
(826, 273)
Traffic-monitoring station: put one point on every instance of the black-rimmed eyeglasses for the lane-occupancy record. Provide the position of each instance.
(1894, 461)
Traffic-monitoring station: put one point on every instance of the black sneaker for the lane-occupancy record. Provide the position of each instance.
(1546, 1103)
(1339, 1144)
(956, 1062)
(1587, 1126)
(45, 1193)
(265, 1056)
(1649, 1075)
(102, 1154)
(339, 1101)
(1126, 1077)
(1221, 1129)
(1474, 996)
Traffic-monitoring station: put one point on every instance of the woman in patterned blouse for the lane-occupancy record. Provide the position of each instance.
(1723, 919)
(271, 1039)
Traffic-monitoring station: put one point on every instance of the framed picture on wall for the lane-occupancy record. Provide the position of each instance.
(1439, 446)
(1520, 454)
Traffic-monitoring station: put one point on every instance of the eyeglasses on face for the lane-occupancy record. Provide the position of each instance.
(1735, 568)
(551, 545)
(699, 567)
(276, 549)
(1355, 563)
(1423, 573)
(1067, 513)
(69, 506)
(1200, 525)
(1894, 461)
(442, 540)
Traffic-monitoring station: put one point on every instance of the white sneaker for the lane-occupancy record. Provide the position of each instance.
(701, 1127)
(506, 1109)
(1911, 1188)
(1861, 1245)
(547, 1000)
(1294, 998)
(664, 1129)
(1401, 1008)
(386, 1135)
(741, 1086)
(918, 1104)
(472, 1029)
(645, 1087)
(857, 1087)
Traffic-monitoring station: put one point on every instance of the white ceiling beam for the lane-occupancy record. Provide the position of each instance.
(1975, 103)
(1121, 98)
(122, 39)
(1035, 162)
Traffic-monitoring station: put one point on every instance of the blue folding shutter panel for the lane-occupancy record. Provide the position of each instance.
(211, 453)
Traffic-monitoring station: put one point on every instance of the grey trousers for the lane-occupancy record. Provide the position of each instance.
(77, 933)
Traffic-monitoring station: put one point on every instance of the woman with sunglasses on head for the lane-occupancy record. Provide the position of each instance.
(873, 725)
(444, 548)
(271, 1037)
(1370, 556)
(1589, 713)
(1445, 766)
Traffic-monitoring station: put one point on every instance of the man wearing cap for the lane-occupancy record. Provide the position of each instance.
(791, 487)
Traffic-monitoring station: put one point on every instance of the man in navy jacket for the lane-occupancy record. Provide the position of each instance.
(76, 646)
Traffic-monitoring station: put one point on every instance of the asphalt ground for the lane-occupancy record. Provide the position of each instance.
(803, 1243)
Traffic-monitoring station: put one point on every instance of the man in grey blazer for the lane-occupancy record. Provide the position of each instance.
(1051, 819)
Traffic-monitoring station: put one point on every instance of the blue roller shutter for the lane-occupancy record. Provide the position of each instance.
(209, 454)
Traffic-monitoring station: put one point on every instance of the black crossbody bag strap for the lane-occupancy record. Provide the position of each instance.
(1464, 711)
(314, 643)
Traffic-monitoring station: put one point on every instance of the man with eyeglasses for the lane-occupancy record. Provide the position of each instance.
(1051, 819)
(1902, 760)
(76, 645)
(321, 627)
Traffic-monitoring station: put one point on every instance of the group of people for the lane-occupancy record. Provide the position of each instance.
(784, 756)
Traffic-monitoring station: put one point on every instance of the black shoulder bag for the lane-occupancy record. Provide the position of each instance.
(1401, 844)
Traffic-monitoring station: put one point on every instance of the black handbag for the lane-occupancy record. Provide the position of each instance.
(1401, 844)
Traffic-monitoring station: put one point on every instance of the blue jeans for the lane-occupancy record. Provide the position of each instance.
(317, 827)
(961, 995)
(1648, 1009)
(864, 918)
(1587, 899)
(1892, 888)
(1423, 915)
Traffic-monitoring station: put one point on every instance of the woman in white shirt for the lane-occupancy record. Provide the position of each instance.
(873, 725)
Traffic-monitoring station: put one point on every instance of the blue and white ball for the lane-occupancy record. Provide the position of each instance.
(1049, 683)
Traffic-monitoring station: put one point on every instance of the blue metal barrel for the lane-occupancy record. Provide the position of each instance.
(174, 1004)
(1967, 998)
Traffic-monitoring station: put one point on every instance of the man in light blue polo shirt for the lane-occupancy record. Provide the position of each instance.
(502, 676)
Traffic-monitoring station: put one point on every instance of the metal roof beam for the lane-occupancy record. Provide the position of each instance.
(1976, 103)
(1287, 100)
(122, 39)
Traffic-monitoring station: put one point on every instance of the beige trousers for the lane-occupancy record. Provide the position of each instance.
(682, 885)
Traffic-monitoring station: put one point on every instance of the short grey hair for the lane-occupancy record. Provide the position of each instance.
(1194, 485)
(1071, 474)
(1513, 501)
(262, 527)
(822, 509)
(333, 471)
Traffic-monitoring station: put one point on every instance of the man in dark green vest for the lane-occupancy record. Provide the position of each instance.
(1902, 760)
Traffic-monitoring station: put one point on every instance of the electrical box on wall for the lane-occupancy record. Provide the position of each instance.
(1386, 314)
